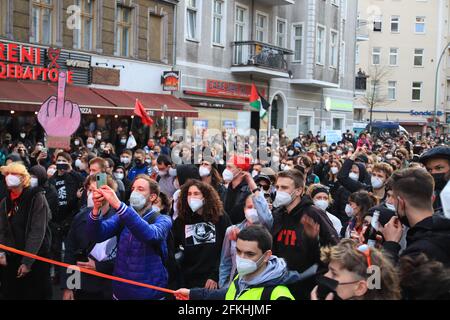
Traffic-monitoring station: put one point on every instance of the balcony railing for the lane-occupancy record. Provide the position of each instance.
(258, 54)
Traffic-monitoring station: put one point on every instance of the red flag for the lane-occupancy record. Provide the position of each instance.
(139, 110)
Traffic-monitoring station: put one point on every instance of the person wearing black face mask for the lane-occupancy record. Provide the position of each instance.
(140, 167)
(429, 234)
(67, 183)
(437, 162)
(348, 277)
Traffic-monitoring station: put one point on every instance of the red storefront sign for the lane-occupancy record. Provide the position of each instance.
(24, 63)
(230, 89)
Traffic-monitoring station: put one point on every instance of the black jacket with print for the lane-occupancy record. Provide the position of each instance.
(289, 240)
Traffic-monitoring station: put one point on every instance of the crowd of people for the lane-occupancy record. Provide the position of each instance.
(364, 218)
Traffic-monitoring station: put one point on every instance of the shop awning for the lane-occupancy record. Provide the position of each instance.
(28, 96)
(151, 101)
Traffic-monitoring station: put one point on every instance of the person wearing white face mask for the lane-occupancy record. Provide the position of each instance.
(380, 174)
(90, 144)
(166, 175)
(256, 211)
(238, 188)
(39, 179)
(143, 235)
(322, 199)
(357, 210)
(210, 175)
(353, 175)
(297, 225)
(200, 229)
(257, 269)
(81, 252)
(23, 277)
(125, 159)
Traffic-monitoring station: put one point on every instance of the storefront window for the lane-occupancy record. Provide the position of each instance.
(221, 119)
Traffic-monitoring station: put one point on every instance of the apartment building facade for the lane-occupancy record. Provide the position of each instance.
(298, 53)
(402, 42)
(114, 52)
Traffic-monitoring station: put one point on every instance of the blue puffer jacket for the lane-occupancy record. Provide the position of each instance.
(137, 257)
(135, 171)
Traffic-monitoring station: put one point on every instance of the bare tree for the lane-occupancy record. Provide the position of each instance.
(376, 94)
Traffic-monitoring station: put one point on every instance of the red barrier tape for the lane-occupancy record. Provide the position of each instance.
(91, 272)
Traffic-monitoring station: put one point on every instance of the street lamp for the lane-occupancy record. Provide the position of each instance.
(163, 118)
(447, 47)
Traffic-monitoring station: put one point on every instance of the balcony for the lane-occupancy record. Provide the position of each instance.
(360, 83)
(276, 2)
(261, 59)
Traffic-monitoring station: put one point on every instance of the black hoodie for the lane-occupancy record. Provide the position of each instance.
(289, 240)
(430, 236)
(186, 172)
(351, 185)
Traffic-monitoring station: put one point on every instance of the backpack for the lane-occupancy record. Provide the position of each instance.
(169, 261)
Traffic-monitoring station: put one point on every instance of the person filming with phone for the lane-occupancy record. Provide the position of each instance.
(82, 252)
(142, 248)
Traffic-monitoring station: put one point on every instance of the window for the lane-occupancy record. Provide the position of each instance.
(240, 26)
(392, 90)
(218, 19)
(42, 21)
(420, 25)
(304, 124)
(377, 22)
(191, 19)
(334, 49)
(3, 8)
(337, 123)
(395, 24)
(320, 45)
(376, 56)
(83, 37)
(156, 42)
(281, 33)
(393, 56)
(240, 30)
(123, 30)
(418, 57)
(261, 27)
(417, 91)
(297, 42)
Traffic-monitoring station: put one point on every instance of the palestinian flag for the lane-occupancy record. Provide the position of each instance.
(258, 102)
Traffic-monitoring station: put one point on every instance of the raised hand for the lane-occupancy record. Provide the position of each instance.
(59, 117)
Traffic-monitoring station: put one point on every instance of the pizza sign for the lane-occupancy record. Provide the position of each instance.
(171, 80)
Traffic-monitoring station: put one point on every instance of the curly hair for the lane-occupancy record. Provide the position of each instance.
(346, 253)
(212, 207)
